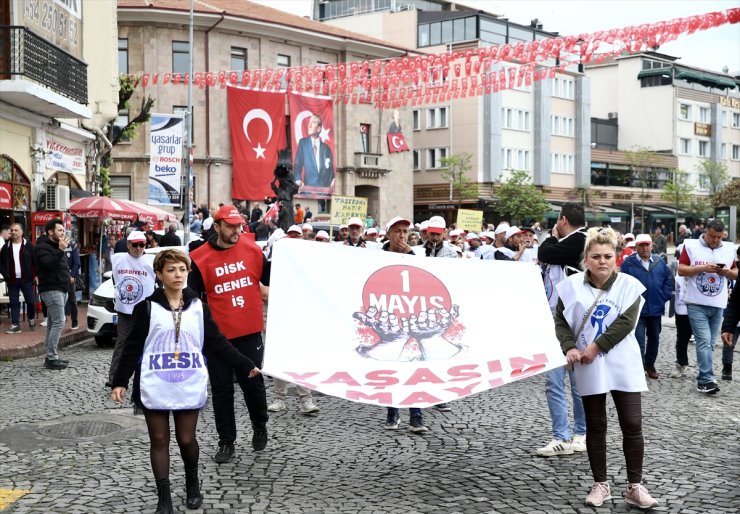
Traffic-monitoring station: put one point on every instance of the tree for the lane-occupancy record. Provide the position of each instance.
(678, 192)
(714, 174)
(456, 168)
(116, 133)
(729, 195)
(519, 198)
(699, 208)
(642, 161)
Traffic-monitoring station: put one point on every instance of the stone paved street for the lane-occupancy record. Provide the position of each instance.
(478, 458)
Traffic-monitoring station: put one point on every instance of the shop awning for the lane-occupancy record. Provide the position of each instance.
(102, 207)
(655, 72)
(706, 79)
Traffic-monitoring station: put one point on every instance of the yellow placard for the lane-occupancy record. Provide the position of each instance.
(345, 207)
(469, 220)
(8, 496)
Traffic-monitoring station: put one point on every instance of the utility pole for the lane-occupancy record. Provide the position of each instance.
(189, 147)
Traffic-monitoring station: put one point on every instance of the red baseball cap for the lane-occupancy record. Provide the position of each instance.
(229, 214)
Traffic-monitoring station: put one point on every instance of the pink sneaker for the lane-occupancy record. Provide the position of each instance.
(600, 492)
(638, 496)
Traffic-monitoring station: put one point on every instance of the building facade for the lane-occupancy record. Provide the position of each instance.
(58, 87)
(231, 36)
(542, 128)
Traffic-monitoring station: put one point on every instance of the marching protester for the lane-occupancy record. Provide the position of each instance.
(708, 263)
(683, 325)
(356, 229)
(514, 245)
(730, 330)
(170, 238)
(397, 230)
(16, 267)
(595, 323)
(172, 327)
(133, 281)
(51, 266)
(654, 274)
(561, 255)
(227, 271)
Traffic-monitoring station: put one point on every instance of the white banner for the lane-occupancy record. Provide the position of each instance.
(401, 330)
(165, 163)
(65, 157)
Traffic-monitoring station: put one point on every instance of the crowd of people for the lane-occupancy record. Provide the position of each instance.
(178, 328)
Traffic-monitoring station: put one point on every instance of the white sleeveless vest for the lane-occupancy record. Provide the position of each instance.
(554, 274)
(166, 383)
(133, 279)
(620, 369)
(708, 289)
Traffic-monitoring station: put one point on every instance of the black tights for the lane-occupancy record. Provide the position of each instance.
(158, 424)
(629, 411)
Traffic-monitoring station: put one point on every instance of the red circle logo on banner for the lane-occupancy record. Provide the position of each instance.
(405, 291)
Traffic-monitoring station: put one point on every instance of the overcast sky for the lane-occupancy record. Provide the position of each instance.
(712, 49)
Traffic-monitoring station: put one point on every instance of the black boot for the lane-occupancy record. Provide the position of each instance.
(192, 489)
(164, 505)
(727, 372)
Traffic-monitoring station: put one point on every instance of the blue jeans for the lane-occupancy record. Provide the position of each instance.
(705, 324)
(413, 412)
(29, 296)
(651, 325)
(557, 402)
(54, 301)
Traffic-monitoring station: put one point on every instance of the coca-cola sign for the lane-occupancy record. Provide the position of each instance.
(40, 217)
(147, 218)
(6, 195)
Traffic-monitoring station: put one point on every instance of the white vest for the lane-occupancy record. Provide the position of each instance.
(166, 383)
(620, 369)
(554, 274)
(708, 289)
(680, 300)
(133, 279)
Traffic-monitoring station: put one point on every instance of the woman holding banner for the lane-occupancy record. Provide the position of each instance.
(171, 327)
(595, 323)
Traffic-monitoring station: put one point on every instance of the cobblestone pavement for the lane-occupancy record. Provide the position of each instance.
(478, 458)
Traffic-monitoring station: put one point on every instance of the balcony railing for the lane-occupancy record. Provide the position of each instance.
(23, 53)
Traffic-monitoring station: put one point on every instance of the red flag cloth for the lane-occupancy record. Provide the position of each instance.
(257, 123)
(397, 143)
(272, 213)
(312, 132)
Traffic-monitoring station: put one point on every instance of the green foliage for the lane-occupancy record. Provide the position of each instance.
(729, 195)
(714, 174)
(105, 181)
(699, 208)
(642, 161)
(678, 192)
(456, 168)
(519, 199)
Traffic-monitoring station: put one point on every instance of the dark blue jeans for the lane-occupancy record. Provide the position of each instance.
(413, 411)
(29, 296)
(727, 351)
(650, 326)
(683, 335)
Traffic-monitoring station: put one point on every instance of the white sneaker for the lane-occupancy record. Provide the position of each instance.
(578, 443)
(277, 406)
(678, 371)
(44, 323)
(600, 492)
(555, 447)
(308, 407)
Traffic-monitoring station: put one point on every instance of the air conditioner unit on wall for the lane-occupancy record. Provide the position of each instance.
(57, 197)
(612, 115)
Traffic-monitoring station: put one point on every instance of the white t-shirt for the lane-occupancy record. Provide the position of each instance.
(17, 258)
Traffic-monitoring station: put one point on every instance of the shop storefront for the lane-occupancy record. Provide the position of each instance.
(15, 194)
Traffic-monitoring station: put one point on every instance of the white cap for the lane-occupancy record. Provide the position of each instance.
(307, 226)
(276, 234)
(490, 234)
(629, 235)
(321, 234)
(630, 244)
(295, 228)
(397, 219)
(512, 231)
(501, 228)
(137, 236)
(436, 225)
(343, 226)
(355, 221)
(424, 225)
(471, 236)
(643, 239)
(371, 231)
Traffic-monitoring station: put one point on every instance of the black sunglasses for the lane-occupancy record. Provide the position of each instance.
(138, 245)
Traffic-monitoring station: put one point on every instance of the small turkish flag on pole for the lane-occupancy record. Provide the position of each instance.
(397, 143)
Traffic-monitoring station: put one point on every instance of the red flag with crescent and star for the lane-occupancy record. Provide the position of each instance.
(397, 143)
(313, 144)
(257, 123)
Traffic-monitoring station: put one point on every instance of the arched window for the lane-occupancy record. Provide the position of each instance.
(15, 188)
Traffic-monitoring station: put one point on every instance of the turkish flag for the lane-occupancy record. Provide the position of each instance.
(397, 143)
(257, 123)
(312, 132)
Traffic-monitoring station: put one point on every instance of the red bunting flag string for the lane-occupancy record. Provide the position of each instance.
(432, 78)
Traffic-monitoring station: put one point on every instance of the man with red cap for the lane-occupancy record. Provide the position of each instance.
(356, 229)
(435, 245)
(227, 272)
